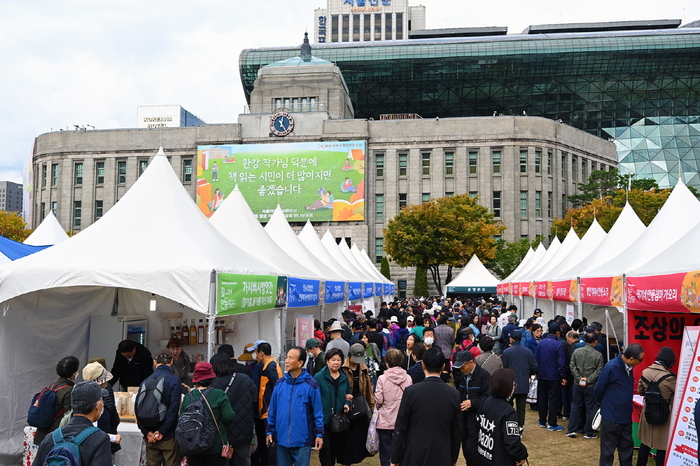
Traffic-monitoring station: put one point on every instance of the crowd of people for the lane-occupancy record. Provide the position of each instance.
(423, 378)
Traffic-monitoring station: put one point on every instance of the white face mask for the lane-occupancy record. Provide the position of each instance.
(429, 341)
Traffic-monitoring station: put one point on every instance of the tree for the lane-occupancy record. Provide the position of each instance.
(384, 268)
(444, 231)
(12, 226)
(509, 255)
(420, 286)
(600, 183)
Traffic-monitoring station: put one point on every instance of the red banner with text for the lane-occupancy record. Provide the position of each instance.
(527, 288)
(543, 290)
(515, 288)
(566, 290)
(602, 291)
(675, 292)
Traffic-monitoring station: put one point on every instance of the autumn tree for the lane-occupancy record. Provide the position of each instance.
(445, 231)
(509, 255)
(12, 226)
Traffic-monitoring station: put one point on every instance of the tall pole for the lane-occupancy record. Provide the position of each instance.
(211, 316)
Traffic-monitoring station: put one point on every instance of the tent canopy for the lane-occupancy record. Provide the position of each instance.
(48, 233)
(11, 250)
(473, 275)
(154, 239)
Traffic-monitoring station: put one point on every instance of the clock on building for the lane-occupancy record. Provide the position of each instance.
(281, 124)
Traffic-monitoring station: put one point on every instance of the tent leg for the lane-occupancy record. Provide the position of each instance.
(212, 316)
(283, 333)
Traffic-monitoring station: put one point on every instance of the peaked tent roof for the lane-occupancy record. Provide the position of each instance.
(474, 274)
(626, 230)
(279, 230)
(313, 243)
(48, 233)
(364, 261)
(237, 222)
(331, 246)
(681, 256)
(590, 241)
(345, 249)
(523, 263)
(362, 254)
(542, 269)
(168, 248)
(679, 215)
(540, 251)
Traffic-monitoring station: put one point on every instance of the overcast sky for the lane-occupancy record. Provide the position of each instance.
(94, 62)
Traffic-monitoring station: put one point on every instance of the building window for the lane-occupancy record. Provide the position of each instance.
(377, 26)
(387, 27)
(54, 207)
(496, 203)
(538, 204)
(402, 201)
(43, 210)
(523, 160)
(402, 289)
(378, 249)
(54, 174)
(549, 204)
(523, 204)
(78, 173)
(399, 26)
(355, 28)
(403, 163)
(574, 169)
(524, 237)
(77, 213)
(334, 28)
(143, 165)
(584, 171)
(99, 210)
(549, 162)
(538, 161)
(366, 29)
(449, 194)
(563, 166)
(379, 207)
(449, 163)
(187, 170)
(472, 162)
(43, 176)
(121, 172)
(425, 197)
(99, 173)
(379, 165)
(346, 28)
(593, 166)
(563, 205)
(496, 159)
(425, 163)
(473, 194)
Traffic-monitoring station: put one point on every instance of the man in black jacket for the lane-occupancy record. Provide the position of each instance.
(428, 410)
(521, 361)
(87, 405)
(237, 366)
(473, 390)
(133, 364)
(316, 357)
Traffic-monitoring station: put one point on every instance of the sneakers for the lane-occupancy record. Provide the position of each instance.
(541, 425)
(555, 428)
(571, 434)
(592, 436)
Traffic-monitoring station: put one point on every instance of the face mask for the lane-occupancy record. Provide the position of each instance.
(102, 409)
(429, 341)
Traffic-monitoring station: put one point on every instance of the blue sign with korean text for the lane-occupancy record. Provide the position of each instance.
(378, 289)
(368, 290)
(391, 289)
(302, 293)
(354, 291)
(335, 292)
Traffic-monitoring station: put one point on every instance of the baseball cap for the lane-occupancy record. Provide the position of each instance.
(462, 358)
(255, 345)
(311, 343)
(516, 335)
(357, 353)
(410, 319)
(85, 394)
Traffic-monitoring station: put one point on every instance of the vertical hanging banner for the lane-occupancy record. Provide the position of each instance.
(303, 293)
(304, 324)
(387, 289)
(378, 289)
(602, 291)
(354, 291)
(515, 287)
(367, 290)
(392, 289)
(335, 292)
(238, 294)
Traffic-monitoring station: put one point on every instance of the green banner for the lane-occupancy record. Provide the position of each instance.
(238, 294)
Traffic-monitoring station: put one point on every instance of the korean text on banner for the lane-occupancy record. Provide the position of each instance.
(305, 328)
(335, 292)
(690, 339)
(302, 293)
(354, 291)
(368, 290)
(674, 292)
(238, 294)
(605, 291)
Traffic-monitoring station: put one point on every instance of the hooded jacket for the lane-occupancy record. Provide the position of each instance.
(295, 417)
(388, 394)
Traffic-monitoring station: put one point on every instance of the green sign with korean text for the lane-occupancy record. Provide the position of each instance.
(239, 294)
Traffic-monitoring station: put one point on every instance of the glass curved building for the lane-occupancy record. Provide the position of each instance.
(640, 88)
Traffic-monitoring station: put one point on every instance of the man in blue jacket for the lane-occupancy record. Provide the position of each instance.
(522, 362)
(295, 416)
(614, 391)
(551, 375)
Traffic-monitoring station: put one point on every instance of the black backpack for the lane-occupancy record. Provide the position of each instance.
(196, 429)
(656, 408)
(150, 409)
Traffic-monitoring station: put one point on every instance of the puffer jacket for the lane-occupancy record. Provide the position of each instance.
(388, 394)
(241, 394)
(333, 400)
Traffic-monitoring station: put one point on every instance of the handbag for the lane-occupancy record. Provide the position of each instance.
(597, 419)
(358, 408)
(226, 449)
(339, 423)
(532, 392)
(372, 443)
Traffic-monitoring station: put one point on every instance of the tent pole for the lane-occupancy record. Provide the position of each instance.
(607, 332)
(580, 304)
(211, 315)
(625, 330)
(283, 332)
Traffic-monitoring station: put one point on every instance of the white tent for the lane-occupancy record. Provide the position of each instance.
(542, 269)
(680, 256)
(49, 232)
(313, 243)
(524, 262)
(588, 244)
(534, 262)
(332, 247)
(473, 275)
(154, 240)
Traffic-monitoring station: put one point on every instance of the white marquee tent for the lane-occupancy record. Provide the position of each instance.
(473, 275)
(49, 232)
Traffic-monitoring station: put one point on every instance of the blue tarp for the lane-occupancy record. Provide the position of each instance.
(14, 250)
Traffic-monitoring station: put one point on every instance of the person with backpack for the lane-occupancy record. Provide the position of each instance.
(51, 404)
(157, 406)
(657, 384)
(78, 443)
(204, 414)
(586, 364)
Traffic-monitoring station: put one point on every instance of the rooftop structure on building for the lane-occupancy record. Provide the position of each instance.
(166, 116)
